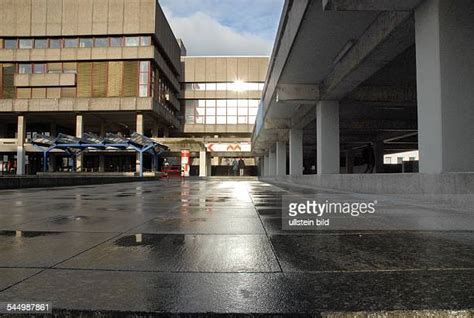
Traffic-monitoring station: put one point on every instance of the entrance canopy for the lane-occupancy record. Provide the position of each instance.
(111, 142)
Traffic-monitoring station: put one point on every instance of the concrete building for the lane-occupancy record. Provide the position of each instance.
(69, 66)
(389, 76)
(220, 98)
(115, 67)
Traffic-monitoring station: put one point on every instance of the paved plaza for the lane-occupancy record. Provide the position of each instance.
(217, 246)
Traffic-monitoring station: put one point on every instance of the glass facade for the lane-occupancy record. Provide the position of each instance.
(85, 42)
(227, 86)
(221, 111)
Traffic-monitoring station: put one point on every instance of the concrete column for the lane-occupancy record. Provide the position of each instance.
(349, 161)
(444, 32)
(20, 148)
(272, 162)
(379, 153)
(166, 132)
(155, 130)
(296, 152)
(266, 165)
(327, 131)
(139, 128)
(53, 130)
(79, 132)
(203, 166)
(281, 158)
(103, 132)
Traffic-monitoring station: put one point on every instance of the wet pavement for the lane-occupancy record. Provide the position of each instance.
(218, 246)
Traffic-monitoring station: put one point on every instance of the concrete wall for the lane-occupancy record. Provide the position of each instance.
(225, 69)
(76, 17)
(8, 183)
(453, 189)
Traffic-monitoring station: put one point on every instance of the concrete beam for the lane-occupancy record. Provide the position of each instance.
(383, 95)
(388, 36)
(297, 94)
(370, 5)
(379, 124)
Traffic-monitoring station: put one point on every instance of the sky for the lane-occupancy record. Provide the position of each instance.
(224, 27)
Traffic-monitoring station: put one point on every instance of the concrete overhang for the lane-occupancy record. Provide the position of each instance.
(324, 55)
(371, 5)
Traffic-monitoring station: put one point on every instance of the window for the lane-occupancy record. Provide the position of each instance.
(25, 68)
(85, 42)
(210, 120)
(232, 120)
(243, 120)
(412, 159)
(242, 111)
(399, 160)
(55, 43)
(132, 41)
(211, 103)
(221, 111)
(199, 86)
(39, 68)
(144, 79)
(211, 86)
(253, 102)
(221, 86)
(188, 87)
(41, 43)
(243, 103)
(221, 103)
(115, 41)
(260, 86)
(101, 42)
(26, 44)
(69, 43)
(253, 111)
(221, 120)
(145, 41)
(231, 103)
(10, 44)
(252, 120)
(232, 111)
(253, 86)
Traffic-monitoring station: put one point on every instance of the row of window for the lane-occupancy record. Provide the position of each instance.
(231, 86)
(221, 111)
(85, 42)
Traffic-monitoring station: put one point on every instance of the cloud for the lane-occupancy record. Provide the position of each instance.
(203, 34)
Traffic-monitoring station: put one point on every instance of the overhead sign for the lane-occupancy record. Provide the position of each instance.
(228, 147)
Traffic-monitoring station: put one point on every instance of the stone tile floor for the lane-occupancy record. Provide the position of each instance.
(217, 245)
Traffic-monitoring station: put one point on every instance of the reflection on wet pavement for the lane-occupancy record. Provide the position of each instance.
(218, 246)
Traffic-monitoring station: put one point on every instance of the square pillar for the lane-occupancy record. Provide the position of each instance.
(20, 145)
(327, 131)
(379, 153)
(79, 132)
(166, 132)
(349, 161)
(272, 162)
(281, 158)
(203, 165)
(296, 151)
(139, 128)
(155, 130)
(444, 37)
(266, 165)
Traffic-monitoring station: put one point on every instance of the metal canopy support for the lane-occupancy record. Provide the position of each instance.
(73, 145)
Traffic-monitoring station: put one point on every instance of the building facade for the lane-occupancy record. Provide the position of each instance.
(220, 99)
(69, 66)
